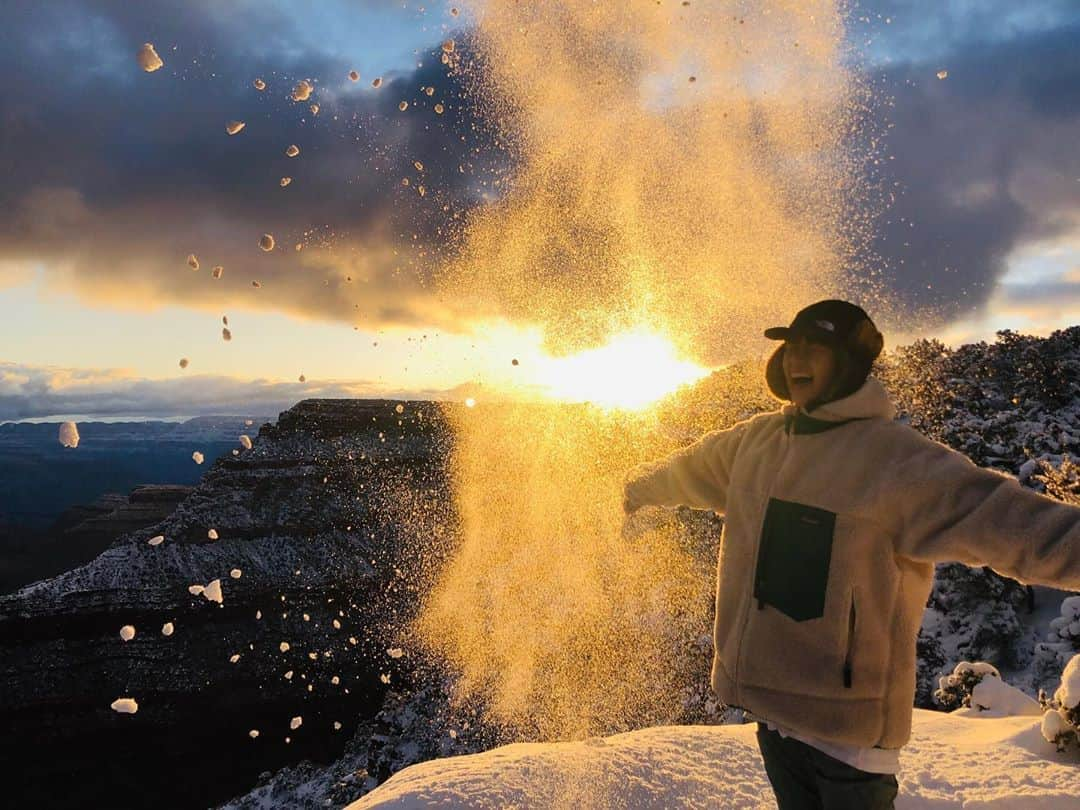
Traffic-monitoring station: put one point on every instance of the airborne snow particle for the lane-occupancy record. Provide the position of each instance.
(337, 624)
(236, 573)
(448, 46)
(284, 646)
(314, 109)
(226, 335)
(337, 726)
(352, 640)
(284, 181)
(125, 705)
(288, 675)
(335, 680)
(234, 658)
(193, 262)
(439, 109)
(395, 652)
(302, 91)
(167, 629)
(225, 319)
(295, 723)
(419, 166)
(183, 362)
(69, 434)
(148, 58)
(307, 618)
(943, 74)
(399, 408)
(267, 242)
(403, 106)
(248, 422)
(454, 12)
(292, 150)
(514, 362)
(234, 127)
(197, 457)
(470, 402)
(212, 534)
(385, 678)
(156, 540)
(213, 591)
(256, 284)
(258, 614)
(376, 82)
(354, 76)
(303, 378)
(127, 632)
(195, 590)
(253, 733)
(218, 271)
(245, 440)
(259, 85)
(429, 90)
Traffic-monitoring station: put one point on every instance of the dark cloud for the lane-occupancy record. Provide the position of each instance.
(981, 162)
(113, 176)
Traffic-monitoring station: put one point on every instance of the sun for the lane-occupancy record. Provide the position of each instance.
(632, 371)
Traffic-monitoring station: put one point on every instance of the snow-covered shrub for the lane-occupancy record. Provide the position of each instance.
(1062, 642)
(1061, 481)
(1061, 723)
(954, 691)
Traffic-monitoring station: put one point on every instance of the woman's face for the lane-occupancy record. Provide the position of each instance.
(808, 370)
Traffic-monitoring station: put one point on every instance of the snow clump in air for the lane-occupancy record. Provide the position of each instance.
(212, 534)
(167, 629)
(302, 91)
(156, 540)
(234, 127)
(253, 733)
(148, 58)
(245, 440)
(195, 590)
(193, 261)
(292, 150)
(943, 74)
(354, 76)
(267, 242)
(127, 632)
(125, 705)
(226, 335)
(376, 82)
(236, 573)
(69, 434)
(218, 271)
(259, 85)
(295, 723)
(212, 591)
(284, 646)
(197, 457)
(184, 362)
(284, 181)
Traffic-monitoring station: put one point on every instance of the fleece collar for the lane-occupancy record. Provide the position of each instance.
(871, 400)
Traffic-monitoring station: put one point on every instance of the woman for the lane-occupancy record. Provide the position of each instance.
(834, 517)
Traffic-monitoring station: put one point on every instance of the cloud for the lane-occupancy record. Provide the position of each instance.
(28, 392)
(982, 164)
(113, 176)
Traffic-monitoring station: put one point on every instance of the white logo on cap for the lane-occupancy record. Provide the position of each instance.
(826, 325)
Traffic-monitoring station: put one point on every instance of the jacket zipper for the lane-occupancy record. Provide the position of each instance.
(754, 565)
(850, 643)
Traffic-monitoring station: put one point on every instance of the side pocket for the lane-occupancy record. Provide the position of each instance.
(849, 652)
(794, 553)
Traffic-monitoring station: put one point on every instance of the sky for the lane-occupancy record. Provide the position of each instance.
(114, 176)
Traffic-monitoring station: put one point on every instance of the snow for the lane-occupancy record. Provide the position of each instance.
(125, 705)
(253, 733)
(212, 534)
(292, 151)
(69, 434)
(994, 695)
(1054, 723)
(943, 74)
(354, 76)
(284, 181)
(295, 723)
(302, 91)
(213, 591)
(259, 85)
(954, 760)
(284, 646)
(218, 271)
(193, 261)
(148, 58)
(184, 362)
(127, 632)
(167, 629)
(236, 573)
(245, 440)
(156, 540)
(226, 334)
(198, 457)
(376, 82)
(1068, 694)
(234, 127)
(195, 590)
(267, 242)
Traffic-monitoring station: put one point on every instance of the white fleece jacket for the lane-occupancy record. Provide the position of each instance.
(833, 523)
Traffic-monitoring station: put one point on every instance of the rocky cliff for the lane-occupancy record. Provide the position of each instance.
(310, 523)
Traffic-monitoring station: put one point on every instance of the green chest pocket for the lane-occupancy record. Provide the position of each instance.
(793, 559)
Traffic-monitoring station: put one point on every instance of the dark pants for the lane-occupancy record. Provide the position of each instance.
(805, 778)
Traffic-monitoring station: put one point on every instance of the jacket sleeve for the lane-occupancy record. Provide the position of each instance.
(697, 475)
(950, 509)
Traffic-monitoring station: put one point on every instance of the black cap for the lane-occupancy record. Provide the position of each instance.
(834, 322)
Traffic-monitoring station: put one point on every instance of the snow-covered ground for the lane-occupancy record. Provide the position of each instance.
(965, 759)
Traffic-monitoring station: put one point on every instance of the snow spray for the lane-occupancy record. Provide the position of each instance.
(683, 168)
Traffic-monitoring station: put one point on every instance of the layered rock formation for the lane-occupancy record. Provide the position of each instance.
(311, 526)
